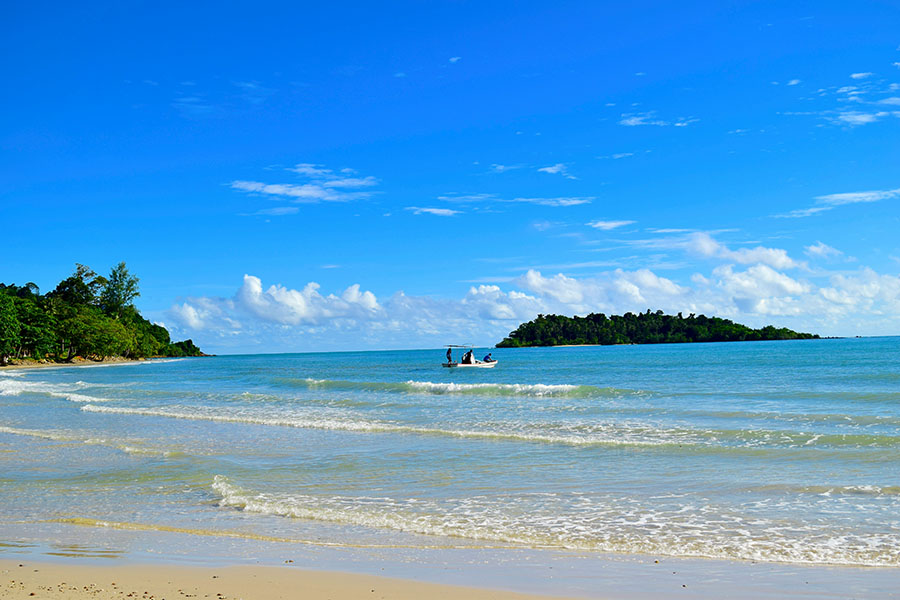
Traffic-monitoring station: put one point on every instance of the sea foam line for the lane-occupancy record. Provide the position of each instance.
(611, 437)
(128, 447)
(576, 434)
(595, 528)
(89, 522)
(490, 389)
(16, 387)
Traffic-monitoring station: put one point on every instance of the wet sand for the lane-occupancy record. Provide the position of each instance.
(34, 580)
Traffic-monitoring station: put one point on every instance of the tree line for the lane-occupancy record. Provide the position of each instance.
(641, 328)
(86, 315)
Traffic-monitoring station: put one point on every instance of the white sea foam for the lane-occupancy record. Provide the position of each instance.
(536, 389)
(38, 433)
(596, 434)
(127, 446)
(606, 524)
(17, 387)
(486, 389)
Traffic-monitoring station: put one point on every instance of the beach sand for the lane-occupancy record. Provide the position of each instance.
(35, 580)
(76, 362)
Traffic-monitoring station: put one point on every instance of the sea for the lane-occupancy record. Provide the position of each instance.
(780, 458)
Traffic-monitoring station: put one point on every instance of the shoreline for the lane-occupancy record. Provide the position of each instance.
(31, 579)
(76, 362)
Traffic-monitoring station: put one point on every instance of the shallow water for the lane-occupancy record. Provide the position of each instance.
(783, 452)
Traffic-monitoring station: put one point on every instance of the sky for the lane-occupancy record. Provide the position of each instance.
(347, 176)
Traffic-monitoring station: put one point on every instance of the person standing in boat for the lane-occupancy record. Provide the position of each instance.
(449, 355)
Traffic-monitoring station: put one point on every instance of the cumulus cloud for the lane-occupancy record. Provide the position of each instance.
(705, 245)
(701, 243)
(279, 304)
(279, 317)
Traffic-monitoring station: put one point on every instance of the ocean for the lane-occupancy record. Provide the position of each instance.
(761, 453)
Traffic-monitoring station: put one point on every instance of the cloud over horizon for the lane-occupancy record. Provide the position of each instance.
(281, 318)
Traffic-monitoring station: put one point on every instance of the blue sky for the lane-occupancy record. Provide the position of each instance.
(300, 176)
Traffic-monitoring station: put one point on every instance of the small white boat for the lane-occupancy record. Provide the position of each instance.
(470, 363)
(477, 364)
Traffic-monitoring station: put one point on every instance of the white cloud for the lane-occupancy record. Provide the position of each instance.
(856, 197)
(831, 201)
(557, 169)
(455, 59)
(323, 185)
(328, 178)
(860, 75)
(311, 170)
(861, 118)
(650, 118)
(896, 64)
(487, 199)
(704, 245)
(440, 212)
(637, 119)
(281, 318)
(496, 168)
(608, 225)
(297, 192)
(277, 211)
(822, 250)
(285, 306)
(893, 101)
(793, 82)
(565, 201)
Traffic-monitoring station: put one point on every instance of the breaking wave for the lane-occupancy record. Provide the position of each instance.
(481, 389)
(602, 524)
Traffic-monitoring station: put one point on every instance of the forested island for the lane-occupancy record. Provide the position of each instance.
(86, 315)
(641, 328)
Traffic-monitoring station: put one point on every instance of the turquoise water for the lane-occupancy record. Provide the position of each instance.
(784, 452)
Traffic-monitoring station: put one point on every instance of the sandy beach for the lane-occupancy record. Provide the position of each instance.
(28, 580)
(76, 362)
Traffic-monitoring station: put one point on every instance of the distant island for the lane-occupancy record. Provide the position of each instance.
(641, 328)
(87, 315)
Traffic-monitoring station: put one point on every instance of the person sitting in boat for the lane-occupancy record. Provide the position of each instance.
(487, 358)
(467, 358)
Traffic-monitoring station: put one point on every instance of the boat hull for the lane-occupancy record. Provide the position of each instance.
(478, 365)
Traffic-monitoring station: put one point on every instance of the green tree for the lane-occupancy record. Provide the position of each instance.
(81, 287)
(9, 329)
(120, 291)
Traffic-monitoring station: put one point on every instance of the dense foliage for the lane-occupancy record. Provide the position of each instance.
(642, 328)
(86, 315)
